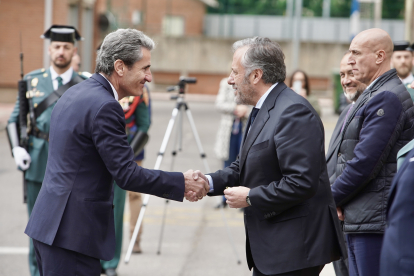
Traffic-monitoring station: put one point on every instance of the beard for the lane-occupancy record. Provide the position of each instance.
(354, 96)
(62, 65)
(403, 71)
(245, 93)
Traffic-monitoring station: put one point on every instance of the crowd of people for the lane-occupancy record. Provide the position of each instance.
(303, 209)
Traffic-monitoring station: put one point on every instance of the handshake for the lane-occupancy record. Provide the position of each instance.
(197, 186)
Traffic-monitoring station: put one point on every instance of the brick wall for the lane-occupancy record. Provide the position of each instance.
(25, 17)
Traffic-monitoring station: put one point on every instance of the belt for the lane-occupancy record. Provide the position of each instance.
(39, 134)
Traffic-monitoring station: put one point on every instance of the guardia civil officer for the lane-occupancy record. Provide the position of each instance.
(402, 61)
(44, 88)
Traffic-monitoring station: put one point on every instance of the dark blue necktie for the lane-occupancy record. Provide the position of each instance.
(254, 114)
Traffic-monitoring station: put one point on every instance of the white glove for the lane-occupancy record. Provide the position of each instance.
(22, 158)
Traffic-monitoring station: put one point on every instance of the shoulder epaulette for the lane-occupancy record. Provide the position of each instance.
(85, 75)
(36, 72)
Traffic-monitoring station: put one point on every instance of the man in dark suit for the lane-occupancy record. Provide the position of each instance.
(352, 90)
(280, 177)
(397, 254)
(72, 223)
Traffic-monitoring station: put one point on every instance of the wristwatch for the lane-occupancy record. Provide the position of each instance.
(248, 200)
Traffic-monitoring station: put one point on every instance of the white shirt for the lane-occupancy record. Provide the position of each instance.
(258, 105)
(408, 80)
(113, 88)
(66, 77)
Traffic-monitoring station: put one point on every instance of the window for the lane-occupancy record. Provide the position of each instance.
(173, 25)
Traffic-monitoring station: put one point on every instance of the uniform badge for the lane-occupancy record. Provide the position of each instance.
(380, 112)
(38, 94)
(43, 69)
(34, 82)
(45, 75)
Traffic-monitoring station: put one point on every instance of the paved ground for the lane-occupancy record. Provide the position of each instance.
(195, 238)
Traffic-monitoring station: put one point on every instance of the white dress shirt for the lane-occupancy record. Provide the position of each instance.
(408, 80)
(113, 88)
(258, 106)
(66, 77)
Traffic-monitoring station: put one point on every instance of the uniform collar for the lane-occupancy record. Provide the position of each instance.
(113, 88)
(66, 77)
(264, 96)
(408, 80)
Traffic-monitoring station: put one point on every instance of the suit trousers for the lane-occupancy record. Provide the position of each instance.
(310, 271)
(364, 254)
(33, 189)
(341, 265)
(53, 261)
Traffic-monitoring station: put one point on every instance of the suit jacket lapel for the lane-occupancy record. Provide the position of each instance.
(259, 122)
(336, 133)
(104, 82)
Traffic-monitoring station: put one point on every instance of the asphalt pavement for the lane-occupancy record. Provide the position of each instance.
(197, 237)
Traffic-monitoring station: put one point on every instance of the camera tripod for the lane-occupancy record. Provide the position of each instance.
(177, 115)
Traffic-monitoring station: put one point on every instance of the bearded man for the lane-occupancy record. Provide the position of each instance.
(352, 90)
(44, 86)
(280, 177)
(402, 61)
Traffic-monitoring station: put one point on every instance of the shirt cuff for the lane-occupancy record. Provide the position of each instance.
(210, 182)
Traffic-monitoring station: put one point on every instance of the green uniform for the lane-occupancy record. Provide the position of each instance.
(142, 123)
(40, 86)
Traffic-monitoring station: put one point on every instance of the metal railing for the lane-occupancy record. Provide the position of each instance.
(313, 29)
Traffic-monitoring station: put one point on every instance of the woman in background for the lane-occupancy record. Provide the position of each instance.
(299, 82)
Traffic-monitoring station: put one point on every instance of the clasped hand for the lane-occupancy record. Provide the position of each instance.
(196, 187)
(236, 196)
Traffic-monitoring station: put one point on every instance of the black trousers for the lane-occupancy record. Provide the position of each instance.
(310, 271)
(53, 261)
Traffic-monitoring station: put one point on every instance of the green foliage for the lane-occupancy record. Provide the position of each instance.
(391, 9)
(262, 7)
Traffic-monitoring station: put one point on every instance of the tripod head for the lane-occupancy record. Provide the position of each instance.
(181, 84)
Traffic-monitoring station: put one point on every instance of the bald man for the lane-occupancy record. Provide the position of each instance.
(378, 125)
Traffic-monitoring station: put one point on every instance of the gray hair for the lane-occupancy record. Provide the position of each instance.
(265, 55)
(123, 44)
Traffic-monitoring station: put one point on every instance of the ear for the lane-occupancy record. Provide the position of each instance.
(256, 75)
(119, 67)
(381, 56)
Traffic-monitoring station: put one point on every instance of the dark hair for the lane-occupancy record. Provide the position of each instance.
(265, 55)
(307, 85)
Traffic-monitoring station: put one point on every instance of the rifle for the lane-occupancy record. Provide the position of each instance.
(24, 109)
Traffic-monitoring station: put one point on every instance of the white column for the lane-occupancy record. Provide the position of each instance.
(47, 24)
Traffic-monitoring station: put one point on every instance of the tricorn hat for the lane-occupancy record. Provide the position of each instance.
(402, 46)
(62, 33)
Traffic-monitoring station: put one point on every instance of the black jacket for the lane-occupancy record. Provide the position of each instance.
(379, 125)
(292, 223)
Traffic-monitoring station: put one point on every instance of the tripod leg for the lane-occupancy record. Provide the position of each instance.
(198, 141)
(162, 227)
(203, 157)
(146, 198)
(136, 229)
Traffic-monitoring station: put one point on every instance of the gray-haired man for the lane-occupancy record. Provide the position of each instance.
(72, 223)
(280, 177)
